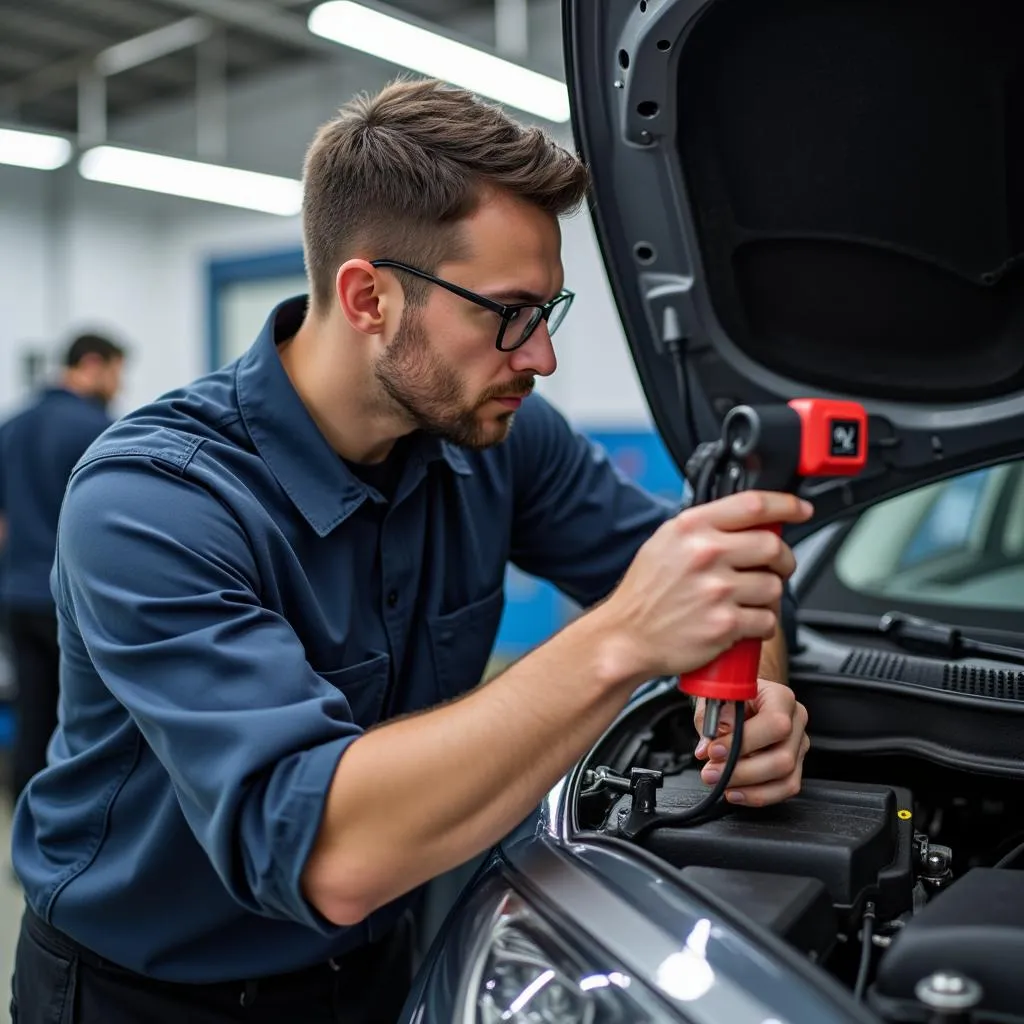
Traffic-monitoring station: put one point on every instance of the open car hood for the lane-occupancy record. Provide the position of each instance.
(815, 198)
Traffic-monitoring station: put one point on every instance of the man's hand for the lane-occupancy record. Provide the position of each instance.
(711, 576)
(774, 746)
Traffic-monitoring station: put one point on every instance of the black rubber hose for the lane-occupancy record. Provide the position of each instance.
(701, 808)
(866, 939)
(1009, 858)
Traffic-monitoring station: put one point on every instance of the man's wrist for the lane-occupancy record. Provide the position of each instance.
(615, 662)
(774, 663)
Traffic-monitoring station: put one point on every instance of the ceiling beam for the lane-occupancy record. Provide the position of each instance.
(512, 29)
(262, 18)
(181, 35)
(60, 74)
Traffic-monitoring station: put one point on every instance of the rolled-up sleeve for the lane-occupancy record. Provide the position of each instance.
(161, 579)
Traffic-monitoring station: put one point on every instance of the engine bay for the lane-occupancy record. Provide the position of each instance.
(896, 874)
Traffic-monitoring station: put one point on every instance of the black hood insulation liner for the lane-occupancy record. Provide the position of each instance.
(901, 276)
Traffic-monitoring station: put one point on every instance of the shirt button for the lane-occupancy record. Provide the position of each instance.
(392, 598)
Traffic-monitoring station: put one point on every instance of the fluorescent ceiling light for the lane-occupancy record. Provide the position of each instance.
(32, 149)
(193, 180)
(430, 53)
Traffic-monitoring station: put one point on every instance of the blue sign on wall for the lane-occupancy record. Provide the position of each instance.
(643, 457)
(6, 726)
(534, 609)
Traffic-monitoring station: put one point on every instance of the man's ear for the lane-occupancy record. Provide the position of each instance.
(366, 296)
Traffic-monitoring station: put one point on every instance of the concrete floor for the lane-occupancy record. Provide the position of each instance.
(10, 913)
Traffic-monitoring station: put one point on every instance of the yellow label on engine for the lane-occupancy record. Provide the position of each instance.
(904, 815)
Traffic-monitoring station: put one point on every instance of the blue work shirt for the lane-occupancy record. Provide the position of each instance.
(236, 607)
(38, 450)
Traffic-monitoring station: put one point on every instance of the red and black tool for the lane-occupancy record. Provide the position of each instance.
(770, 448)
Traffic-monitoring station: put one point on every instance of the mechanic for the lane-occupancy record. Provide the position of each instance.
(39, 447)
(279, 587)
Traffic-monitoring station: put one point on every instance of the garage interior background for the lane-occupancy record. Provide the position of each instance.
(186, 284)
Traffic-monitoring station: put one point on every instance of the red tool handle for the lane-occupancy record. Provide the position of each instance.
(832, 439)
(731, 676)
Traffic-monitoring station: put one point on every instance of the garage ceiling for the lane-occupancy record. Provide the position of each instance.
(47, 45)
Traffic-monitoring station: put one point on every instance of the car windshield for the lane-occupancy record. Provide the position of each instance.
(958, 542)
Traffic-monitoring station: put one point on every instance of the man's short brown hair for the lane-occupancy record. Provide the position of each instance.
(391, 176)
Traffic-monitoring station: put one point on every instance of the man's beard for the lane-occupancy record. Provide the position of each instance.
(432, 393)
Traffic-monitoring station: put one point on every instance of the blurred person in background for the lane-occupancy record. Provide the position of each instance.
(7, 687)
(39, 447)
(279, 587)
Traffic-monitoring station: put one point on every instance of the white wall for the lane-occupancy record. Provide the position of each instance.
(25, 254)
(75, 254)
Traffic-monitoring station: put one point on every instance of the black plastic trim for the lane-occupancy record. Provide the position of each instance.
(856, 716)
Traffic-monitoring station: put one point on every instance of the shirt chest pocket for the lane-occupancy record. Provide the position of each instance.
(461, 643)
(364, 685)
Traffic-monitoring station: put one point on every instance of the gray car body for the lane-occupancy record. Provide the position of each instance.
(634, 912)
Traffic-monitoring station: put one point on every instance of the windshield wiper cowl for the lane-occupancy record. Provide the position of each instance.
(937, 639)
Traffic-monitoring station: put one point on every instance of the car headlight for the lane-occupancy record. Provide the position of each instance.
(524, 972)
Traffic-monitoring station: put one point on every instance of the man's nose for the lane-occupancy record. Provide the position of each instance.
(536, 354)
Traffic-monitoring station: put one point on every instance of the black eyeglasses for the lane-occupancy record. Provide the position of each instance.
(518, 321)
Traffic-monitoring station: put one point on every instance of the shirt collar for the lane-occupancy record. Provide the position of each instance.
(311, 473)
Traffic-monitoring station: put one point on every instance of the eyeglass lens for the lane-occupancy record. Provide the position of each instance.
(518, 330)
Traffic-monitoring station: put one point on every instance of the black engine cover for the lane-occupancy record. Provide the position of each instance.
(855, 839)
(794, 908)
(975, 928)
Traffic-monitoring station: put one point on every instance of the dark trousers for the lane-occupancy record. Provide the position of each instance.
(33, 638)
(56, 981)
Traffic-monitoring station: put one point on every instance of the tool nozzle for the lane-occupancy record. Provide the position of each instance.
(712, 715)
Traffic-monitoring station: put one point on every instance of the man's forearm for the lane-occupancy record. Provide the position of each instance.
(421, 795)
